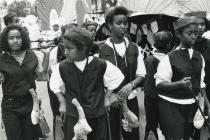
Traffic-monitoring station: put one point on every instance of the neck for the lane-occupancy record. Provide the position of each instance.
(16, 52)
(160, 51)
(184, 46)
(81, 59)
(117, 40)
(199, 39)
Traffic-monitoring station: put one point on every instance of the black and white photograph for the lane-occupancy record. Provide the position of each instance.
(105, 69)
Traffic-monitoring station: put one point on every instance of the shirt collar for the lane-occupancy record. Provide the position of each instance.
(109, 43)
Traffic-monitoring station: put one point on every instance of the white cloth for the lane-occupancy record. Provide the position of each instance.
(164, 73)
(112, 77)
(121, 48)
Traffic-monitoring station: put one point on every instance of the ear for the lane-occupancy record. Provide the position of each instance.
(178, 34)
(110, 26)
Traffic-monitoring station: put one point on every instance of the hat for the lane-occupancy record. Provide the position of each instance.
(182, 22)
(79, 35)
(201, 14)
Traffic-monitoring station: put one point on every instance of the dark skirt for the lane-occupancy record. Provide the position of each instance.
(134, 134)
(176, 121)
(152, 114)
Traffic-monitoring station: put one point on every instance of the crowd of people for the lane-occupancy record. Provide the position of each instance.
(103, 77)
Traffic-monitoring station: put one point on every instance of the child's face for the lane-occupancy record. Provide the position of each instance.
(14, 40)
(201, 26)
(189, 35)
(92, 29)
(119, 25)
(71, 51)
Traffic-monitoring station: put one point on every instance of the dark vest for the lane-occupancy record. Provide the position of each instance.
(86, 86)
(182, 66)
(106, 52)
(18, 79)
(204, 48)
(151, 64)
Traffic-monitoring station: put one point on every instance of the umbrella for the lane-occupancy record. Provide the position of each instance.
(142, 18)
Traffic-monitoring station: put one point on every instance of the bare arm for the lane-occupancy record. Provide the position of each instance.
(125, 90)
(62, 101)
(184, 83)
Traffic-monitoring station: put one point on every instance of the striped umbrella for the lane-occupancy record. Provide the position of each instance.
(44, 8)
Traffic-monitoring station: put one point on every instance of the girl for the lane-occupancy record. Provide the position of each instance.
(84, 77)
(56, 56)
(178, 72)
(162, 41)
(127, 57)
(202, 45)
(19, 68)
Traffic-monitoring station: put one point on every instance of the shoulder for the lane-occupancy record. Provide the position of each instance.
(207, 41)
(150, 58)
(100, 61)
(173, 53)
(104, 46)
(3, 57)
(65, 63)
(32, 53)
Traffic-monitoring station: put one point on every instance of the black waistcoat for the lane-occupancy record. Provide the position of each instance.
(86, 86)
(151, 64)
(131, 54)
(182, 66)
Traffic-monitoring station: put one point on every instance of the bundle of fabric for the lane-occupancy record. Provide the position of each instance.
(82, 128)
(130, 120)
(35, 114)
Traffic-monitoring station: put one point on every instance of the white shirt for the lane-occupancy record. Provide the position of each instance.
(164, 73)
(121, 48)
(112, 78)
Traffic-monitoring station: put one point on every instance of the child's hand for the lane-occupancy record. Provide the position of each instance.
(115, 100)
(62, 108)
(2, 123)
(187, 82)
(125, 90)
(107, 103)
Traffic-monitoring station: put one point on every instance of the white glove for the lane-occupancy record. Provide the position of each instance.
(198, 120)
(35, 117)
(81, 129)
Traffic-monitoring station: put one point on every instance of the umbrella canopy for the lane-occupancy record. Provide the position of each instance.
(142, 18)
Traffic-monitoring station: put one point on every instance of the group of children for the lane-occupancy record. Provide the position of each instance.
(102, 85)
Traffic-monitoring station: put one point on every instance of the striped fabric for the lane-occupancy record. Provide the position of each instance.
(44, 8)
